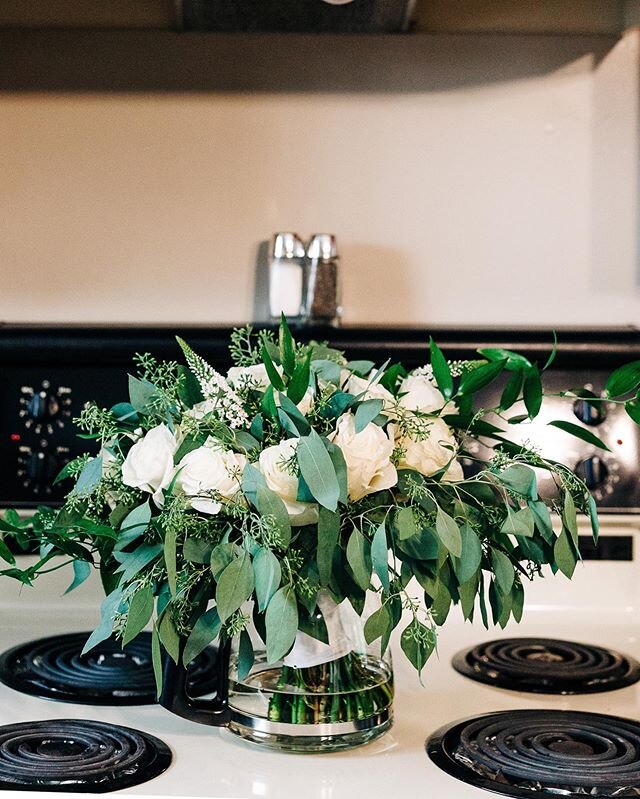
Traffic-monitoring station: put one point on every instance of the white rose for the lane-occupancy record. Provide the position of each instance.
(149, 463)
(208, 475)
(431, 454)
(418, 393)
(306, 403)
(367, 455)
(273, 463)
(366, 386)
(256, 376)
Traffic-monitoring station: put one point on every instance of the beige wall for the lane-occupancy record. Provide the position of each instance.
(462, 201)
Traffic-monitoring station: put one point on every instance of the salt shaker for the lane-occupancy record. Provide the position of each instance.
(286, 276)
(322, 286)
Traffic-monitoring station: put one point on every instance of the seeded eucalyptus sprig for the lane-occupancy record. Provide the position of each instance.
(220, 502)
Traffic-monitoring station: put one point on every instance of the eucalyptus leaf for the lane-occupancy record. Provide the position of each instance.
(267, 572)
(569, 517)
(281, 621)
(235, 586)
(139, 613)
(318, 471)
(204, 631)
(366, 412)
(563, 554)
(108, 610)
(542, 519)
(251, 479)
(222, 555)
(417, 642)
(471, 555)
(521, 479)
(359, 558)
(169, 636)
(448, 532)
(133, 562)
(170, 550)
(377, 625)
(134, 524)
(328, 371)
(520, 522)
(328, 534)
(81, 572)
(141, 394)
(156, 660)
(406, 523)
(270, 504)
(380, 556)
(89, 478)
(503, 570)
(246, 656)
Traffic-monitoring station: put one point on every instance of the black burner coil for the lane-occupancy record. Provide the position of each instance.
(550, 752)
(71, 755)
(54, 668)
(544, 665)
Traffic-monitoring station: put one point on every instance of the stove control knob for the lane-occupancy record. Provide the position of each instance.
(43, 406)
(40, 469)
(594, 471)
(588, 411)
(45, 409)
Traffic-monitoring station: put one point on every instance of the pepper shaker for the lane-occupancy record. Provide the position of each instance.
(322, 286)
(286, 276)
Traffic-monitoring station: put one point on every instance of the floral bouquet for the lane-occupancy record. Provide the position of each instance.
(269, 504)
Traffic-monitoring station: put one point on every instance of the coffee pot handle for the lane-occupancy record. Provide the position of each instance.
(175, 695)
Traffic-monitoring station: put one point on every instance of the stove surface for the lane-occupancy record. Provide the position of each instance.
(601, 606)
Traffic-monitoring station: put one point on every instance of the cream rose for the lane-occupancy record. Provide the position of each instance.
(367, 455)
(274, 464)
(209, 475)
(368, 388)
(418, 393)
(149, 463)
(256, 376)
(432, 453)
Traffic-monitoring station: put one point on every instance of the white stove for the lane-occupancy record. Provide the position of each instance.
(48, 373)
(600, 606)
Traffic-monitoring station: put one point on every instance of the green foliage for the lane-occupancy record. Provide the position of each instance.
(195, 577)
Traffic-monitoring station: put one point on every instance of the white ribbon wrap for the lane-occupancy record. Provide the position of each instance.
(345, 635)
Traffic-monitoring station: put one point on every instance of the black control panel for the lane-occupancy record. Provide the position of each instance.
(48, 374)
(37, 434)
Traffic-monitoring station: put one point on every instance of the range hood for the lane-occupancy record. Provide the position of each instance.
(309, 16)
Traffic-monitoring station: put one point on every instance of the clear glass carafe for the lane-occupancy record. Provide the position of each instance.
(325, 695)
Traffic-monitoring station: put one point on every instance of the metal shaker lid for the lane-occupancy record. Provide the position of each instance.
(323, 247)
(287, 245)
